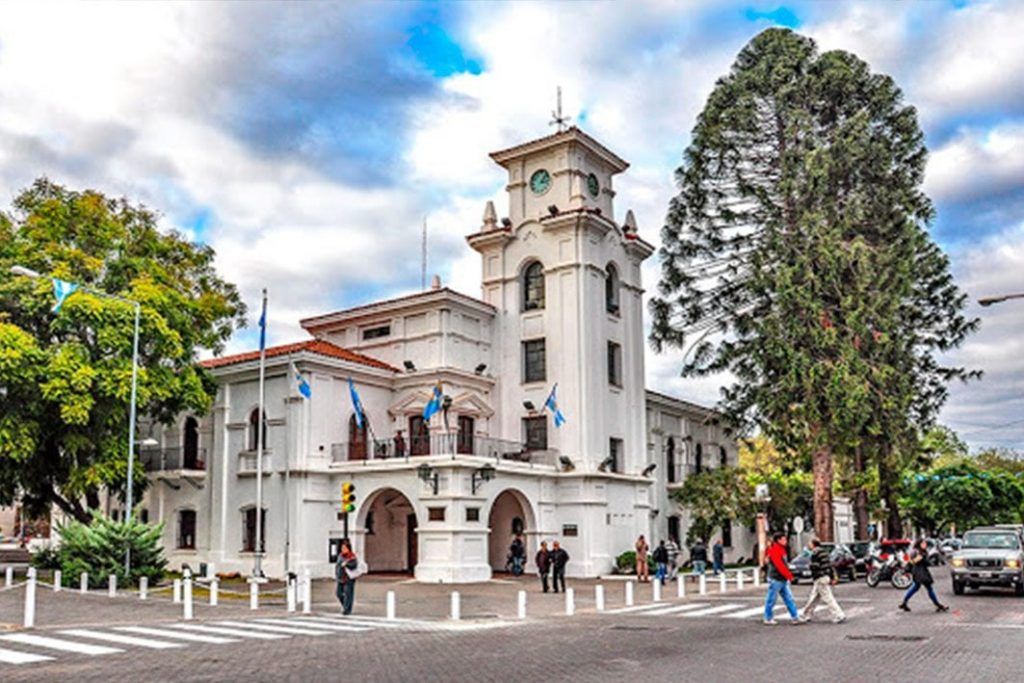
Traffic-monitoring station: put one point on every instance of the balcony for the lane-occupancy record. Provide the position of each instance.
(172, 464)
(499, 450)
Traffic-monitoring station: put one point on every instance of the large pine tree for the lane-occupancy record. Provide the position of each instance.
(796, 256)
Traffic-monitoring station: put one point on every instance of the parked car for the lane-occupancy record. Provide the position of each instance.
(949, 546)
(843, 562)
(990, 556)
(861, 552)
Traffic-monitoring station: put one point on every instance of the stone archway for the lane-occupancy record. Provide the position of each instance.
(388, 524)
(510, 514)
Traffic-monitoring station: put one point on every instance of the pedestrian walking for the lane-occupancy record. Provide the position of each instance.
(660, 556)
(543, 561)
(824, 576)
(558, 558)
(922, 577)
(779, 578)
(346, 571)
(699, 557)
(672, 546)
(642, 571)
(718, 557)
(517, 554)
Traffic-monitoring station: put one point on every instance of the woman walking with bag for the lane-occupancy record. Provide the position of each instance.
(922, 577)
(346, 571)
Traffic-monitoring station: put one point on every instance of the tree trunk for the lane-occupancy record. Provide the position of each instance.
(893, 522)
(822, 467)
(860, 498)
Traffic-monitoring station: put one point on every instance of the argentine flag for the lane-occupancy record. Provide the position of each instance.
(434, 404)
(263, 325)
(552, 405)
(300, 381)
(357, 405)
(62, 289)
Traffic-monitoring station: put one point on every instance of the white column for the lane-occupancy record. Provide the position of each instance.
(254, 595)
(656, 591)
(214, 589)
(143, 587)
(188, 598)
(521, 605)
(680, 586)
(570, 602)
(389, 607)
(9, 577)
(176, 594)
(703, 585)
(599, 597)
(30, 602)
(83, 582)
(629, 594)
(112, 585)
(721, 582)
(456, 612)
(56, 580)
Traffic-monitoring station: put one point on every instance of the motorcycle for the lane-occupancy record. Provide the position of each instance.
(889, 569)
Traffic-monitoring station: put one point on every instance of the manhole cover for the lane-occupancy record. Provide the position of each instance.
(880, 636)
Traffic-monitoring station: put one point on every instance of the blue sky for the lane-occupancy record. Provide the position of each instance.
(307, 142)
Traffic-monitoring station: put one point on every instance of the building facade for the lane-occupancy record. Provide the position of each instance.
(560, 313)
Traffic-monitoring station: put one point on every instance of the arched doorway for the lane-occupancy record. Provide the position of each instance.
(390, 541)
(509, 516)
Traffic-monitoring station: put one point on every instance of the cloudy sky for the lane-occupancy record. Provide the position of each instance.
(306, 142)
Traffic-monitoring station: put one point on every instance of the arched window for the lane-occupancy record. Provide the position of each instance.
(723, 456)
(356, 439)
(190, 447)
(698, 459)
(533, 287)
(254, 430)
(611, 290)
(670, 460)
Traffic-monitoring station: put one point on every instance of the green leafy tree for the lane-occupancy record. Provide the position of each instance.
(65, 376)
(715, 498)
(796, 257)
(100, 547)
(963, 495)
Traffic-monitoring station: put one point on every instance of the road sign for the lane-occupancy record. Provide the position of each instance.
(798, 524)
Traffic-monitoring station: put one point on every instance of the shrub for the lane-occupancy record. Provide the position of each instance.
(46, 558)
(626, 562)
(99, 548)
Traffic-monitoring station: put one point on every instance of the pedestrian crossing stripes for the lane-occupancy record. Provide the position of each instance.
(720, 610)
(40, 647)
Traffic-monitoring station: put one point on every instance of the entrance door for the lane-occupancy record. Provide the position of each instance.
(191, 450)
(411, 546)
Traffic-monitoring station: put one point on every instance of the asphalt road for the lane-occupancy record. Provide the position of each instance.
(701, 638)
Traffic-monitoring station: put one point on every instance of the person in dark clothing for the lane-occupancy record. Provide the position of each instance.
(717, 557)
(699, 557)
(922, 577)
(660, 556)
(347, 562)
(823, 574)
(517, 553)
(399, 445)
(543, 561)
(558, 558)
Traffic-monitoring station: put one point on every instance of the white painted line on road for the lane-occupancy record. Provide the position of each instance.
(624, 610)
(292, 631)
(216, 630)
(351, 628)
(747, 613)
(712, 610)
(188, 637)
(121, 640)
(12, 657)
(57, 644)
(678, 608)
(366, 621)
(1013, 627)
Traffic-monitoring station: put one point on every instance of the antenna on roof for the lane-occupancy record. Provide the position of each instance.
(558, 119)
(423, 258)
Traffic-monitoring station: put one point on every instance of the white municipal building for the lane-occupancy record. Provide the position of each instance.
(560, 302)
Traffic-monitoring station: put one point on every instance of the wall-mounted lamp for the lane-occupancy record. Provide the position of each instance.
(480, 475)
(606, 463)
(506, 223)
(566, 462)
(480, 368)
(529, 406)
(553, 210)
(648, 470)
(409, 366)
(427, 475)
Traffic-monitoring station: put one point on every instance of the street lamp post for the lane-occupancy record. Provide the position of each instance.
(28, 272)
(990, 300)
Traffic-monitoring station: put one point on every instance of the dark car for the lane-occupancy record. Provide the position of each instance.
(862, 554)
(842, 561)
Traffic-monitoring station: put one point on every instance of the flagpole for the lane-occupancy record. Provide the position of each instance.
(131, 443)
(257, 569)
(287, 471)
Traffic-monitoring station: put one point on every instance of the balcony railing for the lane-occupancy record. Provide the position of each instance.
(173, 459)
(439, 444)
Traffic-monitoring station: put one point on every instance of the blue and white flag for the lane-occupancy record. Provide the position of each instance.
(552, 405)
(301, 384)
(357, 405)
(434, 404)
(62, 289)
(263, 324)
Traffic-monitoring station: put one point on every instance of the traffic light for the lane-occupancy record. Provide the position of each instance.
(348, 497)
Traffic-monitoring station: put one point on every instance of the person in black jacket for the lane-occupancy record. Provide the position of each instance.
(823, 574)
(346, 590)
(699, 557)
(543, 561)
(660, 556)
(559, 558)
(922, 577)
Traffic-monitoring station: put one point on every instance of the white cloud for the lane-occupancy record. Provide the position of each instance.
(977, 162)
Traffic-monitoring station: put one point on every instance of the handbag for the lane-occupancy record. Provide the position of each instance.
(361, 568)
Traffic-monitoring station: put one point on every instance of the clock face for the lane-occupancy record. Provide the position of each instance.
(593, 186)
(540, 181)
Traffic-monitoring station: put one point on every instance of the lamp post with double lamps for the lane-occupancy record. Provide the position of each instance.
(28, 272)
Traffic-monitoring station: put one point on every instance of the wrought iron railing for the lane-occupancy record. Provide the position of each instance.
(171, 459)
(439, 444)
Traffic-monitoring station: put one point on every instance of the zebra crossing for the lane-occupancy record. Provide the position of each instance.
(710, 609)
(38, 647)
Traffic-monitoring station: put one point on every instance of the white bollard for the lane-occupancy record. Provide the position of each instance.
(390, 606)
(176, 592)
(307, 592)
(213, 592)
(188, 598)
(680, 586)
(9, 577)
(289, 594)
(112, 585)
(143, 587)
(757, 577)
(703, 585)
(57, 580)
(739, 580)
(721, 583)
(30, 602)
(254, 595)
(456, 612)
(83, 582)
(521, 607)
(629, 594)
(570, 602)
(599, 597)
(656, 591)
(32, 573)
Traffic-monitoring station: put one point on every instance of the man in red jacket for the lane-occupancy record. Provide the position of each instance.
(779, 577)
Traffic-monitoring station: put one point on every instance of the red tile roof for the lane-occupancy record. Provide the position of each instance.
(317, 346)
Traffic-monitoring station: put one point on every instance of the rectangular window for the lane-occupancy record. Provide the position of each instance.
(187, 529)
(570, 530)
(472, 514)
(727, 534)
(534, 361)
(435, 514)
(673, 528)
(535, 433)
(614, 364)
(419, 436)
(376, 332)
(249, 531)
(614, 455)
